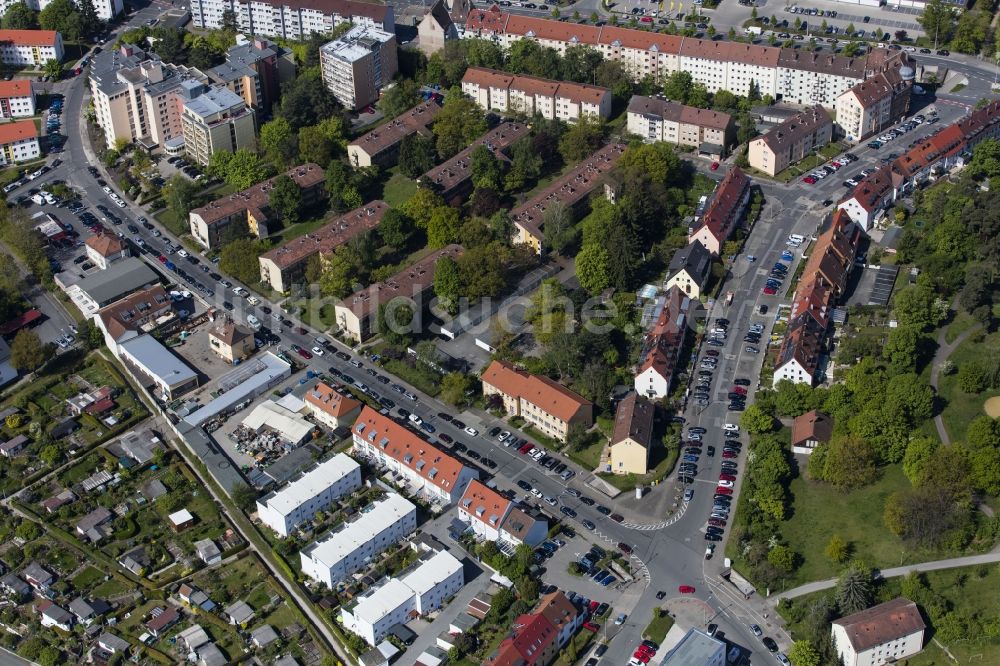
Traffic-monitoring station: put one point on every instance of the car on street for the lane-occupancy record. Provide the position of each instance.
(588, 524)
(685, 589)
(769, 644)
(756, 630)
(620, 620)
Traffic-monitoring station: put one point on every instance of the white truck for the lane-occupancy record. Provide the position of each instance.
(753, 30)
(253, 322)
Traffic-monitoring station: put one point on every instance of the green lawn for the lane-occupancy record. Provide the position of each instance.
(819, 511)
(398, 189)
(588, 457)
(422, 377)
(962, 322)
(86, 578)
(960, 407)
(657, 629)
(169, 219)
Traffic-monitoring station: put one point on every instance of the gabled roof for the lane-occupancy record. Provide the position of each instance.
(662, 343)
(815, 299)
(130, 312)
(417, 119)
(575, 92)
(694, 259)
(547, 395)
(518, 524)
(883, 623)
(229, 332)
(802, 343)
(15, 88)
(721, 211)
(679, 113)
(29, 37)
(812, 425)
(484, 504)
(326, 399)
(256, 197)
(330, 236)
(794, 129)
(557, 609)
(17, 131)
(105, 245)
(634, 420)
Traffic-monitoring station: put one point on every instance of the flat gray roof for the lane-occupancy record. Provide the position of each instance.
(119, 279)
(250, 380)
(158, 360)
(695, 649)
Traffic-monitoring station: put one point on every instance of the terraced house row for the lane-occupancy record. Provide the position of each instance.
(789, 74)
(530, 95)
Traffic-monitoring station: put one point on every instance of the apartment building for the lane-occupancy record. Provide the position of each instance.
(356, 315)
(656, 119)
(875, 104)
(572, 191)
(291, 19)
(798, 77)
(723, 213)
(332, 408)
(139, 98)
(31, 48)
(255, 70)
(17, 99)
(218, 120)
(285, 265)
(349, 546)
(312, 491)
(883, 634)
(453, 178)
(632, 437)
(105, 250)
(544, 403)
(494, 90)
(689, 269)
(247, 212)
(662, 345)
(357, 64)
(537, 637)
(484, 510)
(420, 589)
(438, 476)
(233, 342)
(18, 142)
(137, 313)
(791, 141)
(933, 156)
(442, 23)
(380, 146)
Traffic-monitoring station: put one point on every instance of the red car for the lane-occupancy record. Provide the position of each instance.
(527, 447)
(723, 491)
(770, 291)
(617, 517)
(305, 353)
(644, 649)
(646, 19)
(594, 605)
(809, 180)
(716, 522)
(592, 626)
(644, 657)
(715, 166)
(162, 259)
(739, 389)
(685, 589)
(727, 477)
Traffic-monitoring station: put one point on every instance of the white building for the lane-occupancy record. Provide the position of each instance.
(875, 104)
(351, 545)
(31, 48)
(105, 9)
(887, 633)
(17, 99)
(291, 20)
(426, 468)
(530, 95)
(291, 427)
(218, 120)
(424, 589)
(357, 64)
(484, 510)
(155, 365)
(18, 142)
(331, 407)
(313, 491)
(697, 647)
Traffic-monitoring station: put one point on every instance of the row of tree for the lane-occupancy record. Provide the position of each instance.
(76, 21)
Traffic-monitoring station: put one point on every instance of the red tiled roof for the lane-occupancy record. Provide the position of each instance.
(662, 343)
(105, 245)
(330, 236)
(15, 88)
(812, 425)
(29, 37)
(484, 504)
(547, 395)
(416, 119)
(883, 623)
(680, 113)
(721, 212)
(17, 131)
(408, 282)
(330, 401)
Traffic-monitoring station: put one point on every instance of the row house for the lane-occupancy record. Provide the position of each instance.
(453, 178)
(537, 637)
(530, 95)
(661, 346)
(30, 48)
(380, 146)
(312, 491)
(723, 212)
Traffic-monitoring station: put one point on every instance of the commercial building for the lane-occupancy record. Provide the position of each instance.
(357, 64)
(572, 191)
(380, 146)
(632, 437)
(119, 280)
(248, 212)
(875, 104)
(233, 342)
(356, 314)
(216, 121)
(494, 90)
(331, 407)
(784, 73)
(422, 466)
(930, 158)
(247, 381)
(453, 178)
(544, 403)
(423, 588)
(157, 368)
(484, 509)
(105, 249)
(656, 119)
(291, 19)
(791, 141)
(255, 70)
(19, 142)
(723, 213)
(17, 99)
(661, 346)
(887, 633)
(285, 265)
(138, 313)
(32, 48)
(291, 428)
(347, 548)
(312, 491)
(697, 647)
(689, 269)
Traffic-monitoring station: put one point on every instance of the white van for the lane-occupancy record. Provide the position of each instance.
(796, 238)
(253, 322)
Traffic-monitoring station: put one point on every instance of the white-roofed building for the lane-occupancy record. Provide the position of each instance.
(292, 427)
(422, 590)
(157, 367)
(313, 491)
(347, 548)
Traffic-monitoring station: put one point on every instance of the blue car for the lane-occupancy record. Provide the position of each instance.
(786, 256)
(601, 573)
(781, 267)
(690, 458)
(607, 581)
(427, 426)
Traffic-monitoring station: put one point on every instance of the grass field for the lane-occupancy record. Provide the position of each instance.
(86, 578)
(963, 321)
(657, 629)
(398, 189)
(960, 407)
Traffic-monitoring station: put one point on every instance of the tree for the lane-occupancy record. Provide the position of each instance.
(421, 205)
(937, 20)
(50, 656)
(678, 86)
(399, 98)
(581, 139)
(837, 550)
(19, 17)
(454, 386)
(972, 377)
(244, 169)
(854, 590)
(459, 122)
(394, 322)
(53, 69)
(918, 452)
(244, 496)
(802, 653)
(27, 353)
(278, 142)
(902, 348)
(851, 463)
(487, 170)
(560, 233)
(592, 269)
(525, 164)
(230, 21)
(181, 195)
(417, 155)
(443, 226)
(922, 516)
(305, 100)
(322, 142)
(239, 258)
(447, 284)
(783, 557)
(395, 229)
(28, 531)
(50, 455)
(755, 421)
(285, 199)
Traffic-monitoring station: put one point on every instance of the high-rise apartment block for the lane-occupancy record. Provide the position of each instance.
(357, 65)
